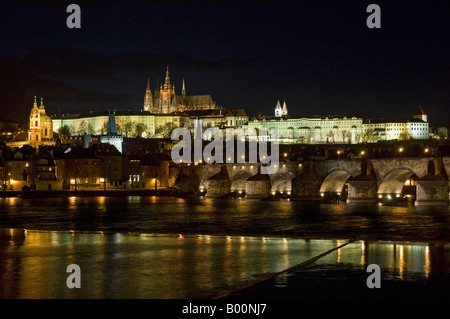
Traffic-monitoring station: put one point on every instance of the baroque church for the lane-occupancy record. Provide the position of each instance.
(40, 131)
(165, 100)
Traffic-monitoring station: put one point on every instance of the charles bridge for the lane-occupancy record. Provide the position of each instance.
(360, 180)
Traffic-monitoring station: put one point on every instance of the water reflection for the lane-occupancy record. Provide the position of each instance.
(227, 217)
(401, 259)
(129, 265)
(125, 265)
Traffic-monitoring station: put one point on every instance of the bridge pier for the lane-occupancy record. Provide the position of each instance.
(362, 189)
(305, 187)
(258, 186)
(218, 184)
(432, 190)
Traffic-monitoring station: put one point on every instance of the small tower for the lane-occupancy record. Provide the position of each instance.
(284, 111)
(112, 137)
(148, 99)
(183, 89)
(278, 110)
(34, 131)
(420, 114)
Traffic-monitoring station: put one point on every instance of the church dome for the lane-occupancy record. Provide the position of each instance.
(45, 119)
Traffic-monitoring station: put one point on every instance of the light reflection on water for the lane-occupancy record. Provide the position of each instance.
(116, 243)
(129, 265)
(115, 265)
(228, 217)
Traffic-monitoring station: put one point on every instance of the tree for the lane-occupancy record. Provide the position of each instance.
(368, 136)
(64, 131)
(82, 127)
(404, 136)
(105, 127)
(330, 137)
(90, 129)
(128, 127)
(442, 132)
(165, 130)
(139, 129)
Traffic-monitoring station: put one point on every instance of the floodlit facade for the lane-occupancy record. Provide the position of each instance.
(336, 129)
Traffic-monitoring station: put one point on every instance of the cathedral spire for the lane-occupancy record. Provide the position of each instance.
(35, 103)
(278, 110)
(284, 111)
(167, 82)
(148, 98)
(183, 89)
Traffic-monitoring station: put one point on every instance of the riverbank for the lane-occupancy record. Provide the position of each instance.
(90, 193)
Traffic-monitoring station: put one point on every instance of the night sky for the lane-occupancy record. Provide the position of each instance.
(318, 56)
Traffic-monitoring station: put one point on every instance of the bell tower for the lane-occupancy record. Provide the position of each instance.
(420, 114)
(278, 110)
(34, 131)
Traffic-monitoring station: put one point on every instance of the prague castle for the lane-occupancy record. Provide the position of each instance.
(164, 110)
(161, 112)
(166, 101)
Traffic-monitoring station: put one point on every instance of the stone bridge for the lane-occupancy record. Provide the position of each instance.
(360, 180)
(198, 176)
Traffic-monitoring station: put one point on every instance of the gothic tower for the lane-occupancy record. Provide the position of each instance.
(167, 92)
(183, 90)
(278, 110)
(112, 137)
(284, 111)
(148, 99)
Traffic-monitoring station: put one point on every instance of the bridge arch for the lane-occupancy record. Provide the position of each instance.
(334, 182)
(239, 180)
(282, 181)
(204, 179)
(394, 181)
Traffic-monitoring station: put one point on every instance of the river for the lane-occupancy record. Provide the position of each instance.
(168, 247)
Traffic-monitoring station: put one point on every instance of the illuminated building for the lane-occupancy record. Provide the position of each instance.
(112, 137)
(375, 130)
(165, 100)
(336, 129)
(311, 130)
(40, 131)
(96, 167)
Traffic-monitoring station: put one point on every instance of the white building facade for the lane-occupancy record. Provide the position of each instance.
(335, 129)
